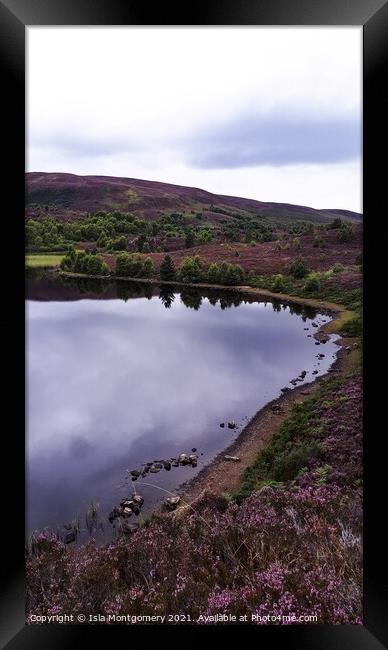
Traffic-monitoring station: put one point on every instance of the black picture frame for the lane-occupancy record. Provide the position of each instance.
(15, 15)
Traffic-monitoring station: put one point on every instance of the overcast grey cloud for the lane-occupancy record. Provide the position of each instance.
(264, 140)
(267, 113)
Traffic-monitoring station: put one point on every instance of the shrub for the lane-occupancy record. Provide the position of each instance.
(338, 267)
(278, 283)
(298, 269)
(312, 283)
(353, 327)
(345, 233)
(336, 223)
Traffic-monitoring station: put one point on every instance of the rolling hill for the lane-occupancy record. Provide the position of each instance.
(68, 197)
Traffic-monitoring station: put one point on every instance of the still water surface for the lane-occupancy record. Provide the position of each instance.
(116, 378)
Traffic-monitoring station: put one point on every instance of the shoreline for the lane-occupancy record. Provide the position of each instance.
(221, 476)
(318, 303)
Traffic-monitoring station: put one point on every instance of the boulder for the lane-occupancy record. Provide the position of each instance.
(303, 374)
(138, 500)
(127, 503)
(194, 449)
(232, 424)
(222, 424)
(167, 465)
(70, 537)
(171, 503)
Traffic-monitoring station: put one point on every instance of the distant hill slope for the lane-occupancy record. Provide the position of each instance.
(68, 196)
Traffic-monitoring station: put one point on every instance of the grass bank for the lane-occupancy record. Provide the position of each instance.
(43, 260)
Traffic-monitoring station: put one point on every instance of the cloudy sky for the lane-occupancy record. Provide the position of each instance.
(267, 113)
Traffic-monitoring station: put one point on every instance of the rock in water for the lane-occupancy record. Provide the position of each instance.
(70, 537)
(231, 424)
(222, 424)
(172, 502)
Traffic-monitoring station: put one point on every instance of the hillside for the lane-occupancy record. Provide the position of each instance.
(68, 197)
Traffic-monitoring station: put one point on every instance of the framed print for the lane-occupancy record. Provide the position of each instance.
(193, 450)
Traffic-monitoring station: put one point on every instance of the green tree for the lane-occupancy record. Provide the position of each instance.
(190, 239)
(298, 269)
(312, 283)
(148, 268)
(213, 274)
(191, 269)
(120, 243)
(167, 269)
(122, 264)
(80, 262)
(102, 240)
(94, 264)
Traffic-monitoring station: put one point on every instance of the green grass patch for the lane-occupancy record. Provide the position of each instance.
(43, 261)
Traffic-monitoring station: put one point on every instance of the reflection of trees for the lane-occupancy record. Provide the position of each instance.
(34, 273)
(309, 312)
(167, 296)
(276, 305)
(230, 300)
(191, 298)
(125, 291)
(148, 291)
(92, 285)
(227, 299)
